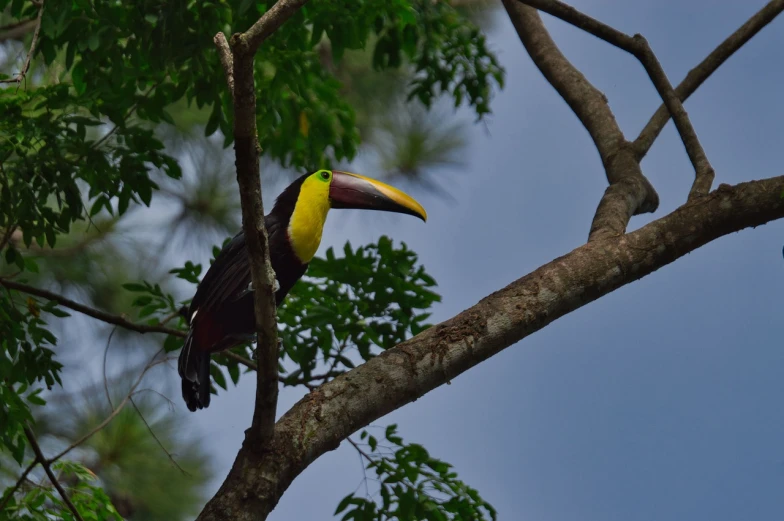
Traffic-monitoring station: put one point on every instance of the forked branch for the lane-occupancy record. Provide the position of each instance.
(706, 67)
(630, 193)
(638, 46)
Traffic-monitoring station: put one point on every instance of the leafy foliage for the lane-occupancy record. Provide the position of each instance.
(26, 361)
(370, 299)
(413, 486)
(82, 148)
(43, 503)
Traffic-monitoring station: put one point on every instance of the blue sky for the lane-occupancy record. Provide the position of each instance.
(660, 401)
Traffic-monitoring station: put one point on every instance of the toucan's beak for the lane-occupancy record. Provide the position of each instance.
(355, 191)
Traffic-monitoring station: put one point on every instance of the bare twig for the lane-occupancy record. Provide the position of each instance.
(48, 469)
(105, 356)
(240, 359)
(638, 46)
(702, 72)
(362, 454)
(359, 450)
(90, 312)
(26, 67)
(18, 483)
(316, 377)
(158, 441)
(152, 363)
(168, 318)
(226, 59)
(7, 236)
(169, 401)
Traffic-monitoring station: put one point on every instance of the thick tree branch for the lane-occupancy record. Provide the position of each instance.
(639, 48)
(325, 417)
(708, 66)
(47, 467)
(591, 108)
(616, 207)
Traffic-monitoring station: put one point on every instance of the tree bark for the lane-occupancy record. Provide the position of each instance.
(322, 419)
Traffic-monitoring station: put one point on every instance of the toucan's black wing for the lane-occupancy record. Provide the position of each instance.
(228, 276)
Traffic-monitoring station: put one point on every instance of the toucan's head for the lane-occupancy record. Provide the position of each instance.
(310, 197)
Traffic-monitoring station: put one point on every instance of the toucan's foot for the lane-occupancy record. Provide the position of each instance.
(275, 286)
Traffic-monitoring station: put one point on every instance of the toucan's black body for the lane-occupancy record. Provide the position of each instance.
(221, 314)
(224, 305)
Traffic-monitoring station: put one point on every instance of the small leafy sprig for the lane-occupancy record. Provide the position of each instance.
(413, 486)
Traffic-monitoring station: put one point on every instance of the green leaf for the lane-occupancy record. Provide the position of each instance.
(77, 76)
(344, 503)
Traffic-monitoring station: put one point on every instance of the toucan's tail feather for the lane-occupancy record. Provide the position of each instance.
(194, 368)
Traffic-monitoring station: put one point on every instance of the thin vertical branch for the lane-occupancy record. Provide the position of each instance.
(247, 151)
(226, 59)
(26, 67)
(239, 68)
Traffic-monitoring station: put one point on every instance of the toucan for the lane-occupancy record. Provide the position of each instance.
(221, 313)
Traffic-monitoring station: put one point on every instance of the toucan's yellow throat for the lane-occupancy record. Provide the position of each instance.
(327, 189)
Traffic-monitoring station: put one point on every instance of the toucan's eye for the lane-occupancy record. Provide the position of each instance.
(325, 175)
